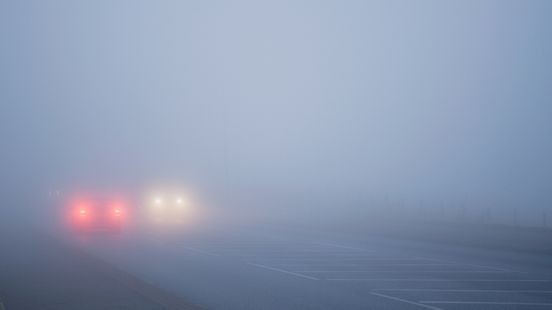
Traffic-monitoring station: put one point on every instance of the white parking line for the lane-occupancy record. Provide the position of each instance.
(284, 271)
(403, 271)
(318, 265)
(462, 291)
(365, 265)
(485, 303)
(435, 280)
(465, 264)
(405, 301)
(301, 256)
(287, 251)
(363, 259)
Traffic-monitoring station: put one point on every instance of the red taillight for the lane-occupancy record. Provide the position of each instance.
(82, 210)
(117, 210)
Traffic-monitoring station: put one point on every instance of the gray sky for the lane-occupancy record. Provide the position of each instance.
(430, 99)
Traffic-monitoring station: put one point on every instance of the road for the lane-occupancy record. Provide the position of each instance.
(277, 268)
(38, 271)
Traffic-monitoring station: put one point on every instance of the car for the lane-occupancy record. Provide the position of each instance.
(94, 214)
(168, 208)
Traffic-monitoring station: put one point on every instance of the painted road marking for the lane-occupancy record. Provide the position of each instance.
(436, 280)
(283, 271)
(279, 259)
(463, 291)
(405, 301)
(288, 251)
(302, 256)
(466, 264)
(486, 303)
(380, 292)
(306, 259)
(366, 264)
(361, 265)
(403, 271)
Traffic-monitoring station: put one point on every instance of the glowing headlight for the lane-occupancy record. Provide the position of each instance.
(158, 201)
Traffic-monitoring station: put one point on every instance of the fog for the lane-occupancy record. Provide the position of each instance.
(272, 128)
(333, 106)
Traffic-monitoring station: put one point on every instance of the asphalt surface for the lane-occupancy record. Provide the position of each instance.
(276, 268)
(38, 271)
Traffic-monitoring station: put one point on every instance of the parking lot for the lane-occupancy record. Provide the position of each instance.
(407, 280)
